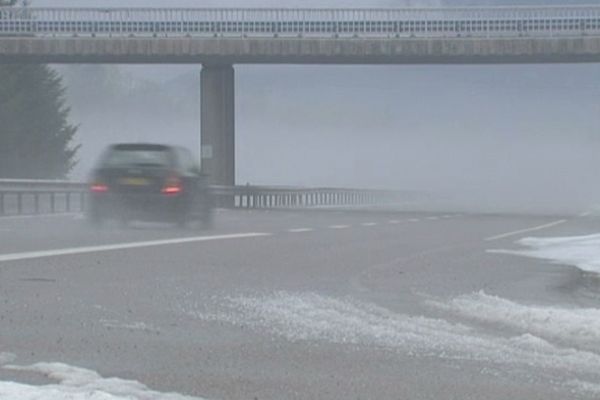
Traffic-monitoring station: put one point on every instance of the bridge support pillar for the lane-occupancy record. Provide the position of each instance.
(218, 123)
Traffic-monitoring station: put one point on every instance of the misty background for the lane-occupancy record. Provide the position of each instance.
(504, 138)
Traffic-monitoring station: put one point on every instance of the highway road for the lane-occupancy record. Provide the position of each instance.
(303, 305)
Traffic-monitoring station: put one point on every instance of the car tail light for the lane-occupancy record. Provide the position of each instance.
(99, 188)
(173, 186)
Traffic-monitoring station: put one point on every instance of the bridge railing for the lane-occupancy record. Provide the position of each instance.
(244, 22)
(33, 197)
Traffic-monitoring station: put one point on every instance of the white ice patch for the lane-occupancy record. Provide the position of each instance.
(131, 326)
(6, 358)
(312, 317)
(587, 388)
(79, 384)
(580, 251)
(576, 327)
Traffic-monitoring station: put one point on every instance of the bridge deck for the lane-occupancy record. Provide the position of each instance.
(301, 36)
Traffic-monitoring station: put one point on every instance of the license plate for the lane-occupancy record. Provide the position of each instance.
(134, 181)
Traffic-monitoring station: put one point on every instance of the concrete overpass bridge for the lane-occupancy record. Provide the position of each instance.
(220, 38)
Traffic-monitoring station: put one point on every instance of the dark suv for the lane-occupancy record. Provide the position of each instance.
(150, 182)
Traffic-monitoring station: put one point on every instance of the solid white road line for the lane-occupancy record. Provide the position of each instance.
(339, 226)
(300, 230)
(59, 215)
(533, 229)
(124, 246)
(369, 224)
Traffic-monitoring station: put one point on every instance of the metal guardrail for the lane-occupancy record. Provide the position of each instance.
(283, 197)
(31, 197)
(245, 22)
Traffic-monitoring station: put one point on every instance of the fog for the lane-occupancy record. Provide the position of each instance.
(493, 138)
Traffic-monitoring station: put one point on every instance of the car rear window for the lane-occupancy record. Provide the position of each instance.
(137, 157)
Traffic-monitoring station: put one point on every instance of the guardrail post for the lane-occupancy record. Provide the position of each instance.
(68, 202)
(52, 202)
(36, 203)
(82, 202)
(2, 211)
(19, 203)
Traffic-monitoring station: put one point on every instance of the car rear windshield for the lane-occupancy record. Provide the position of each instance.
(141, 157)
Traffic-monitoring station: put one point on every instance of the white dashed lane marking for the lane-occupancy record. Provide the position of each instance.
(339, 226)
(300, 230)
(527, 230)
(369, 224)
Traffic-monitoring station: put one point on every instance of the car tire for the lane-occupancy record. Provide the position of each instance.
(182, 219)
(207, 219)
(95, 219)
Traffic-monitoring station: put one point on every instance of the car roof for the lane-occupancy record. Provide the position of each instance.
(140, 146)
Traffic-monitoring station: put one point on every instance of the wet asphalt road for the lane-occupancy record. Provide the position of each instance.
(189, 315)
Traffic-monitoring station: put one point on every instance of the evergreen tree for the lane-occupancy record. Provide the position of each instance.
(35, 136)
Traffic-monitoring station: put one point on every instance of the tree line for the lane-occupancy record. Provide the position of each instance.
(36, 137)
